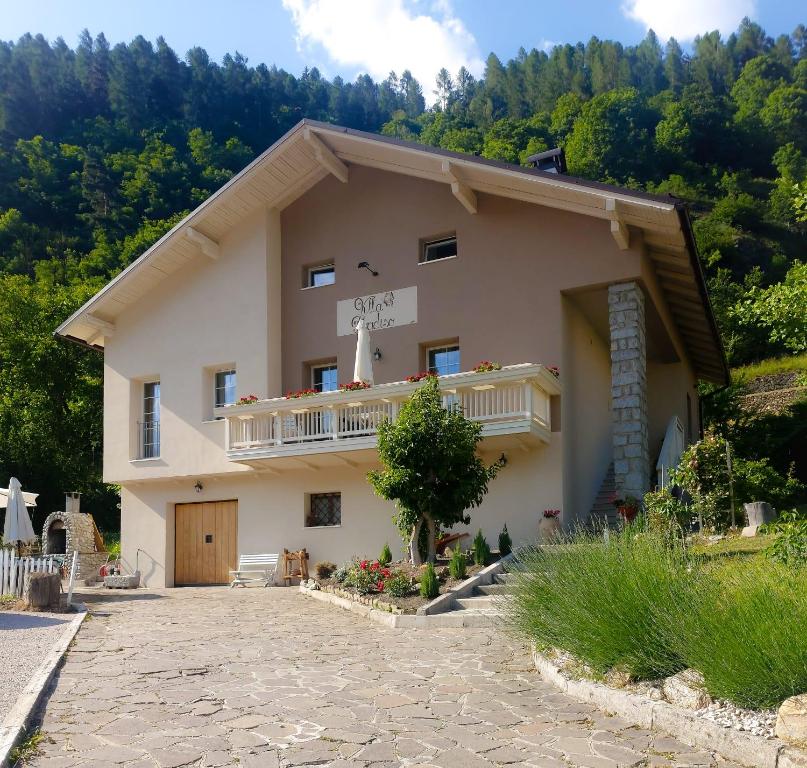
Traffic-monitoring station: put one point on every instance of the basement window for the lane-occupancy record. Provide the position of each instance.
(438, 249)
(323, 510)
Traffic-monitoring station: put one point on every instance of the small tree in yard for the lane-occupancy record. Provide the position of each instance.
(431, 469)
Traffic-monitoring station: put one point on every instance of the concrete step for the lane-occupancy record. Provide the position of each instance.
(483, 602)
(503, 578)
(492, 589)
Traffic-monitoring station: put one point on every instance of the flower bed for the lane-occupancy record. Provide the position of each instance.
(372, 584)
(645, 608)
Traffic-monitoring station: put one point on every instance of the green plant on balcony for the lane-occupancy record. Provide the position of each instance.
(486, 366)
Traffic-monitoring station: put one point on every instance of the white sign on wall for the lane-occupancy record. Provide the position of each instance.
(388, 309)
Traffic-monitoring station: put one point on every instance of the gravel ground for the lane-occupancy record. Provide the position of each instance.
(25, 638)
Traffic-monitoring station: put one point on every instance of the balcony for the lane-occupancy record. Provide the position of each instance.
(512, 404)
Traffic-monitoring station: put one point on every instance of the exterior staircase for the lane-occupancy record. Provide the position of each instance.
(603, 512)
(483, 607)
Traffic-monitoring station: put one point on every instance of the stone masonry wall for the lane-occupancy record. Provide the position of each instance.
(626, 314)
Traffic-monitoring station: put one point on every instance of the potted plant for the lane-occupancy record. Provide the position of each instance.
(486, 366)
(415, 377)
(627, 506)
(549, 526)
(354, 386)
(247, 400)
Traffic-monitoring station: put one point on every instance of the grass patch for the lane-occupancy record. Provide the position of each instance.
(770, 367)
(26, 749)
(606, 603)
(652, 609)
(744, 630)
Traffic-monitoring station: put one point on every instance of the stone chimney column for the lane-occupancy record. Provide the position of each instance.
(626, 318)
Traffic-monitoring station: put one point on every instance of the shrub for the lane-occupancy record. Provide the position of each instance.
(429, 586)
(481, 549)
(398, 585)
(457, 565)
(324, 570)
(386, 556)
(341, 573)
(608, 603)
(505, 542)
(790, 545)
(743, 630)
(361, 577)
(665, 514)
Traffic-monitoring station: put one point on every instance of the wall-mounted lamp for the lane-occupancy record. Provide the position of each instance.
(198, 487)
(377, 354)
(365, 265)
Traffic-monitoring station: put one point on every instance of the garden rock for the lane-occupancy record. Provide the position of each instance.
(617, 678)
(686, 689)
(42, 590)
(758, 513)
(791, 721)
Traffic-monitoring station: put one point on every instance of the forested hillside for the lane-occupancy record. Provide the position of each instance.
(103, 148)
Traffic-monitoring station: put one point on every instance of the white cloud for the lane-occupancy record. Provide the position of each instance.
(376, 36)
(685, 19)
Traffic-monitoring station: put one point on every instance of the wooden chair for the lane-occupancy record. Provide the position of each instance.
(252, 568)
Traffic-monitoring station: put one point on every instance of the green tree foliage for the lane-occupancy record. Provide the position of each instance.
(103, 148)
(431, 469)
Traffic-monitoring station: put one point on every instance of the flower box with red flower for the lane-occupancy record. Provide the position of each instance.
(416, 377)
(301, 393)
(627, 507)
(486, 366)
(354, 386)
(247, 400)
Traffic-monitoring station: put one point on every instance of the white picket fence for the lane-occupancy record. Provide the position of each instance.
(13, 570)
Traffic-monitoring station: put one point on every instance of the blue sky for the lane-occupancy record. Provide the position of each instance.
(347, 37)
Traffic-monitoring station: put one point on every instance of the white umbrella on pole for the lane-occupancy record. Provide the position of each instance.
(18, 526)
(363, 370)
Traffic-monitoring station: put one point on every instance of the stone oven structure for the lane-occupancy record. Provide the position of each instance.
(71, 531)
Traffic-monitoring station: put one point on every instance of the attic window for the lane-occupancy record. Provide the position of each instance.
(436, 250)
(324, 274)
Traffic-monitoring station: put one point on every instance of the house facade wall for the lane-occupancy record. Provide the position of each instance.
(502, 298)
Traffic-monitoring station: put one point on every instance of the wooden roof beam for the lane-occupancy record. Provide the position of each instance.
(325, 156)
(619, 230)
(102, 327)
(459, 189)
(208, 246)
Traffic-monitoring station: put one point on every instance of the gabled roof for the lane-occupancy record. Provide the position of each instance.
(312, 150)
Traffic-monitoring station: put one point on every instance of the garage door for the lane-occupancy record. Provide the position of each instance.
(206, 542)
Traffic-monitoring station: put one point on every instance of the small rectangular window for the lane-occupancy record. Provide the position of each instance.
(444, 360)
(224, 388)
(435, 250)
(325, 274)
(150, 426)
(324, 509)
(324, 378)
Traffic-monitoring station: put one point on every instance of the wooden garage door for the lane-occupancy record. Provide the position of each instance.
(206, 542)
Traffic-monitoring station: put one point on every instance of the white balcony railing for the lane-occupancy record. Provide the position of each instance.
(513, 400)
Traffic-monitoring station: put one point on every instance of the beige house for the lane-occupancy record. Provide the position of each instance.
(450, 260)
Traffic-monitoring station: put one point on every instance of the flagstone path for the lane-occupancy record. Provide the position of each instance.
(265, 677)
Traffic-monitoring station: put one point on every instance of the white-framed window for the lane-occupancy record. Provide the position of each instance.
(324, 378)
(324, 274)
(323, 510)
(443, 360)
(149, 431)
(224, 388)
(438, 249)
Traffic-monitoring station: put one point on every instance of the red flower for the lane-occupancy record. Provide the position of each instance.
(385, 572)
(374, 567)
(380, 586)
(363, 565)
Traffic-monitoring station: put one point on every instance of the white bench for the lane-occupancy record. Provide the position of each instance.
(255, 568)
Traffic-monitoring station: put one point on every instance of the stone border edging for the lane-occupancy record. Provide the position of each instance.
(15, 722)
(744, 748)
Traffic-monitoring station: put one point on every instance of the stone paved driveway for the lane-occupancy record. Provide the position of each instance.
(266, 677)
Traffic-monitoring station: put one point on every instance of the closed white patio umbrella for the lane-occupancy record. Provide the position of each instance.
(363, 370)
(18, 526)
